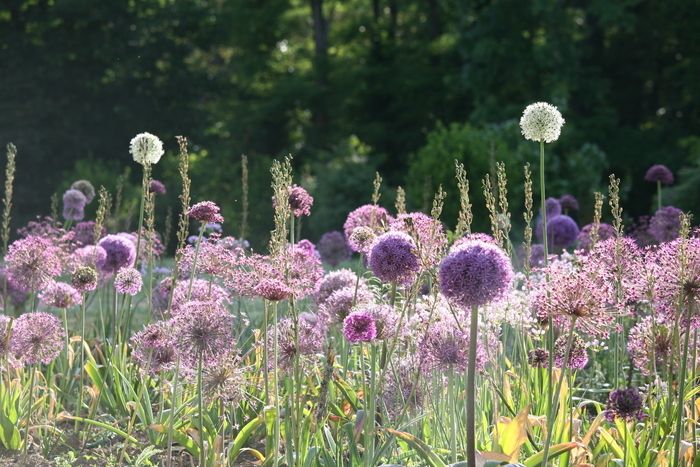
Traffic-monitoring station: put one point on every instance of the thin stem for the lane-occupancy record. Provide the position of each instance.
(171, 418)
(453, 415)
(681, 396)
(194, 261)
(471, 389)
(275, 460)
(200, 410)
(658, 193)
(29, 411)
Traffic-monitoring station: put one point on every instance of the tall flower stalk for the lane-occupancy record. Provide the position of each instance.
(7, 208)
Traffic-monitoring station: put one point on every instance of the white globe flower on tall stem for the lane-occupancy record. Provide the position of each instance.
(146, 148)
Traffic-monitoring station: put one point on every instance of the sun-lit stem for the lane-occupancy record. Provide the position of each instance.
(471, 388)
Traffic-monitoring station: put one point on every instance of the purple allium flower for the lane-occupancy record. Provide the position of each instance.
(128, 281)
(121, 253)
(308, 247)
(562, 231)
(59, 295)
(160, 296)
(300, 201)
(392, 258)
(84, 279)
(84, 233)
(469, 238)
(476, 274)
(201, 291)
(369, 215)
(446, 347)
(673, 286)
(213, 258)
(224, 380)
(86, 188)
(428, 234)
(74, 203)
(153, 348)
(37, 338)
(537, 255)
(203, 330)
(605, 231)
(359, 326)
(336, 280)
(650, 345)
(538, 358)
(5, 332)
(339, 304)
(213, 228)
(568, 203)
(361, 239)
(311, 334)
(333, 248)
(665, 224)
(273, 290)
(626, 404)
(578, 354)
(403, 390)
(659, 173)
(386, 319)
(157, 187)
(91, 255)
(553, 209)
(206, 211)
(16, 294)
(32, 262)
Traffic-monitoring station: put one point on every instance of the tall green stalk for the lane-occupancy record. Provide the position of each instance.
(681, 396)
(200, 411)
(29, 412)
(471, 388)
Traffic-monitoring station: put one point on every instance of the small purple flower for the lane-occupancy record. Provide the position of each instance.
(476, 274)
(32, 262)
(300, 201)
(84, 233)
(203, 330)
(626, 404)
(273, 290)
(562, 231)
(336, 280)
(537, 255)
(156, 187)
(553, 209)
(128, 281)
(121, 252)
(153, 348)
(333, 248)
(568, 203)
(340, 303)
(578, 354)
(359, 326)
(60, 295)
(605, 232)
(538, 358)
(206, 211)
(86, 188)
(665, 225)
(376, 218)
(84, 279)
(659, 173)
(393, 258)
(37, 338)
(74, 203)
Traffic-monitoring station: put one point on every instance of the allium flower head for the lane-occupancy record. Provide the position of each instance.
(553, 207)
(224, 380)
(605, 232)
(91, 255)
(676, 271)
(74, 202)
(340, 303)
(469, 238)
(5, 332)
(659, 173)
(626, 404)
(121, 252)
(60, 295)
(336, 280)
(84, 279)
(153, 348)
(578, 354)
(650, 345)
(84, 233)
(665, 225)
(386, 319)
(300, 201)
(403, 390)
(359, 326)
(273, 290)
(206, 211)
(392, 258)
(476, 274)
(146, 148)
(37, 338)
(428, 234)
(86, 188)
(311, 339)
(32, 262)
(537, 255)
(16, 295)
(446, 347)
(203, 329)
(369, 215)
(361, 239)
(201, 291)
(569, 203)
(562, 231)
(541, 122)
(157, 187)
(128, 281)
(333, 248)
(538, 358)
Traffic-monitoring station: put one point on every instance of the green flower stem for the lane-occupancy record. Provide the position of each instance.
(681, 396)
(29, 411)
(471, 388)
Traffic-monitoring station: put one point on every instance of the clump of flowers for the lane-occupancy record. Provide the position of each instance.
(86, 188)
(371, 216)
(445, 347)
(206, 211)
(538, 358)
(201, 291)
(60, 295)
(578, 354)
(37, 338)
(156, 187)
(300, 201)
(386, 320)
(359, 326)
(605, 232)
(153, 348)
(146, 148)
(659, 173)
(562, 231)
(336, 280)
(128, 281)
(392, 258)
(32, 262)
(541, 122)
(312, 337)
(273, 290)
(339, 304)
(665, 224)
(650, 345)
(333, 248)
(427, 233)
(626, 404)
(475, 274)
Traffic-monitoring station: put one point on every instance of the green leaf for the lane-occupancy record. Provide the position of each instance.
(554, 451)
(421, 448)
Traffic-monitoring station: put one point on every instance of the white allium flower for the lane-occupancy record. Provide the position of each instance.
(146, 148)
(541, 122)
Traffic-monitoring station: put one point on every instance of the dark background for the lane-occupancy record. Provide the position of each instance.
(349, 87)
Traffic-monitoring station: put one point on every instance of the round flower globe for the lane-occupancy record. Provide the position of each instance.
(86, 188)
(146, 148)
(121, 252)
(562, 231)
(392, 258)
(475, 275)
(659, 173)
(541, 122)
